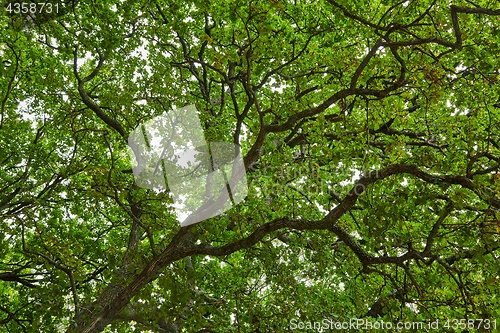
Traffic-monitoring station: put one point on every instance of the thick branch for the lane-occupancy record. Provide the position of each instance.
(86, 98)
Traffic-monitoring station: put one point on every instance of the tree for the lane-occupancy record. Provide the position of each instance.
(370, 132)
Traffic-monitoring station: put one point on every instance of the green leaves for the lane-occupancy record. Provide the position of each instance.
(320, 119)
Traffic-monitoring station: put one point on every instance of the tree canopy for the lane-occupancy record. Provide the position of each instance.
(370, 132)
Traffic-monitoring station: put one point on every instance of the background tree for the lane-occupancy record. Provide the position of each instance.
(370, 131)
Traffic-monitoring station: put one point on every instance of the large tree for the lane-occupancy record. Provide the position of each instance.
(370, 132)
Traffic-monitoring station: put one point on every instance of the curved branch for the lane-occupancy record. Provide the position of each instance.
(86, 98)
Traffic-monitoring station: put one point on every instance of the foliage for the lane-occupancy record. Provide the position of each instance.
(371, 135)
